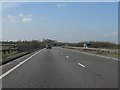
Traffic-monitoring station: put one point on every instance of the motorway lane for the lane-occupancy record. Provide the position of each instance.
(59, 68)
(107, 68)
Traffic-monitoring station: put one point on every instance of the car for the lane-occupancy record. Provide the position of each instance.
(48, 47)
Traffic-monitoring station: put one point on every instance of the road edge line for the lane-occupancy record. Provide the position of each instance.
(12, 69)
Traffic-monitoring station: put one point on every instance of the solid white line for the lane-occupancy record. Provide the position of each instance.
(81, 65)
(67, 56)
(9, 71)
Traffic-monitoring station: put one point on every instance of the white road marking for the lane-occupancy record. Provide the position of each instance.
(67, 56)
(61, 53)
(9, 71)
(81, 65)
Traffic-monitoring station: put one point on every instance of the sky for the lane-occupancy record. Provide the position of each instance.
(61, 21)
(64, 0)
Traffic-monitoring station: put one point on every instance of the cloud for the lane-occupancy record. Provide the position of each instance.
(26, 19)
(115, 33)
(112, 34)
(20, 15)
(61, 5)
(11, 18)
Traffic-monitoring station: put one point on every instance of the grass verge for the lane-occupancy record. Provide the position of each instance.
(111, 55)
(11, 56)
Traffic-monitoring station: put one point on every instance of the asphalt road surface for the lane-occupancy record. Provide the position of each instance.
(60, 68)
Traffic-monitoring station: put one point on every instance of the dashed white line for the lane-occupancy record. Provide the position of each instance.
(61, 53)
(81, 65)
(9, 71)
(67, 56)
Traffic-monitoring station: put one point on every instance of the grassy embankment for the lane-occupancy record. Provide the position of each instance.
(111, 55)
(11, 55)
(7, 56)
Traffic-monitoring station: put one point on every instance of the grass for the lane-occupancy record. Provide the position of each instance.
(112, 55)
(5, 56)
(11, 54)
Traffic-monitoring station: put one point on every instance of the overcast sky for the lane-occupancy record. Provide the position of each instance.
(68, 22)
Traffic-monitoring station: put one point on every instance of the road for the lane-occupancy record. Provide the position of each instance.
(61, 68)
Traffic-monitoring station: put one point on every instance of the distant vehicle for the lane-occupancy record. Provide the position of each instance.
(48, 46)
(87, 45)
